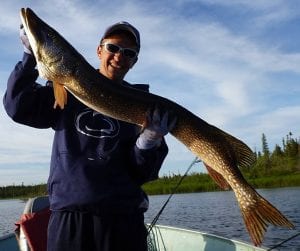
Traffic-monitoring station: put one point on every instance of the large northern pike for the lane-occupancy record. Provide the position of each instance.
(222, 153)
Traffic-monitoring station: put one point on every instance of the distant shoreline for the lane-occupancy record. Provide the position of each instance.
(193, 183)
(203, 183)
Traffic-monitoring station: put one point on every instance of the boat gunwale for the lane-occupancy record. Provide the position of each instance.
(210, 235)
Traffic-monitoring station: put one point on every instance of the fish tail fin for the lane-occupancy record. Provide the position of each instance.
(60, 95)
(259, 216)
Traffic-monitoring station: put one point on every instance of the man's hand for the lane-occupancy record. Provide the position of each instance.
(25, 40)
(157, 126)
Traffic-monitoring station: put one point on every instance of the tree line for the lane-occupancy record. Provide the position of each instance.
(277, 168)
(22, 191)
(284, 159)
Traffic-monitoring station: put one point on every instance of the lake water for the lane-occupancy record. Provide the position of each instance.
(212, 212)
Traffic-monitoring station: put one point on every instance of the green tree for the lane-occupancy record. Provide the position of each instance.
(292, 146)
(265, 162)
(277, 151)
(265, 147)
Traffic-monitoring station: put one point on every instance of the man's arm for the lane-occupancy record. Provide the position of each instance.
(148, 162)
(25, 101)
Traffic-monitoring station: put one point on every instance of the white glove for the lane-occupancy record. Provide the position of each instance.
(156, 128)
(25, 41)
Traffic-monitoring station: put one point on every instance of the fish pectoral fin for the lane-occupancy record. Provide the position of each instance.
(218, 178)
(60, 95)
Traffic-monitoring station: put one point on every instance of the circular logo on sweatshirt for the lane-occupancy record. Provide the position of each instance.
(102, 132)
(96, 125)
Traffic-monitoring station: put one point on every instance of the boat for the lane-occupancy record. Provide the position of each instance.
(166, 238)
(161, 238)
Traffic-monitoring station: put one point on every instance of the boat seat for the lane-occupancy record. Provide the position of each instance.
(36, 204)
(31, 231)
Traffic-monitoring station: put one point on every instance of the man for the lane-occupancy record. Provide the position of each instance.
(98, 164)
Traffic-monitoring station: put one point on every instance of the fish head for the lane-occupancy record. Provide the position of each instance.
(48, 47)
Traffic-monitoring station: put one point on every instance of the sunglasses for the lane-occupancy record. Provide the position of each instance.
(113, 48)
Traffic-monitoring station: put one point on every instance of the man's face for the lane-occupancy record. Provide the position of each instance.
(115, 65)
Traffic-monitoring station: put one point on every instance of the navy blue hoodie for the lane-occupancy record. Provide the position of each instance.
(95, 164)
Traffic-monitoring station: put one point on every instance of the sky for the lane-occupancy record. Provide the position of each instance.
(234, 63)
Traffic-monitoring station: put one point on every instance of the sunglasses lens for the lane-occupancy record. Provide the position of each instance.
(112, 48)
(129, 53)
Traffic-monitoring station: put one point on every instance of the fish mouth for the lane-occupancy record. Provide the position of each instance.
(34, 28)
(30, 21)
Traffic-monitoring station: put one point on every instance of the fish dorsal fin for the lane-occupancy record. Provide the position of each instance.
(60, 95)
(218, 178)
(244, 156)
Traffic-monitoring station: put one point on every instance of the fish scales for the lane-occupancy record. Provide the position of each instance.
(220, 152)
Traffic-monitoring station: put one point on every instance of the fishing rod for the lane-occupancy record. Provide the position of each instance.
(196, 160)
(284, 241)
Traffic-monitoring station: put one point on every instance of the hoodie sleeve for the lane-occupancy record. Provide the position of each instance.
(26, 101)
(148, 162)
